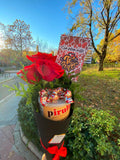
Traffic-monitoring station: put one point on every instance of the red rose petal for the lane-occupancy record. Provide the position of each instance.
(30, 74)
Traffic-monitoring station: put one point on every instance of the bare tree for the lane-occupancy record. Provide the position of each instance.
(97, 19)
(18, 36)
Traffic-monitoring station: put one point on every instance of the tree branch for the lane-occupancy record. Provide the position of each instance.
(114, 37)
(115, 20)
(91, 35)
(103, 16)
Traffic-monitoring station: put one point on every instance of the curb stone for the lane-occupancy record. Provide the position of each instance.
(6, 80)
(9, 94)
(7, 97)
(30, 145)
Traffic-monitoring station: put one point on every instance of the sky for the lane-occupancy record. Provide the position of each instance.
(46, 18)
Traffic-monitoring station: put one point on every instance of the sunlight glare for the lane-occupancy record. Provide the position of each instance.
(1, 40)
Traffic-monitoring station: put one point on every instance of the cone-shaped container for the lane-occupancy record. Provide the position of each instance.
(49, 128)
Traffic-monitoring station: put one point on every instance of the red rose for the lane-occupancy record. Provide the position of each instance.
(49, 70)
(41, 56)
(43, 67)
(30, 74)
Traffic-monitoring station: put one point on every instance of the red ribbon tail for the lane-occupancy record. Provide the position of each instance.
(56, 157)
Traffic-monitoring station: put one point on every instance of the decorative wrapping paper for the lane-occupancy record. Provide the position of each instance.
(48, 128)
(71, 52)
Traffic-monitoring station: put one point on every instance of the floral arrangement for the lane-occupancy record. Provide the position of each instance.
(48, 82)
(45, 73)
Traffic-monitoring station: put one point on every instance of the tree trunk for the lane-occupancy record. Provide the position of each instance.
(101, 64)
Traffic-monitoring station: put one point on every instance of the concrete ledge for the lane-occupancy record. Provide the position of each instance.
(30, 145)
(20, 147)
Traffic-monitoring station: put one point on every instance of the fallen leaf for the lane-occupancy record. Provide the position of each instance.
(10, 154)
(91, 106)
(112, 103)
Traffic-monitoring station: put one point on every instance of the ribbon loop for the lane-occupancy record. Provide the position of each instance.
(55, 150)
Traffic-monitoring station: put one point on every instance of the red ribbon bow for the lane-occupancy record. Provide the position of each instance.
(58, 152)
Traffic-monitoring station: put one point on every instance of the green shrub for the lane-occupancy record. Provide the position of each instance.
(27, 121)
(93, 135)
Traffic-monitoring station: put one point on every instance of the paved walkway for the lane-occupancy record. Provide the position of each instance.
(11, 144)
(7, 148)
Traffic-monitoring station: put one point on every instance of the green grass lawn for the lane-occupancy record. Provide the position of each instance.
(100, 89)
